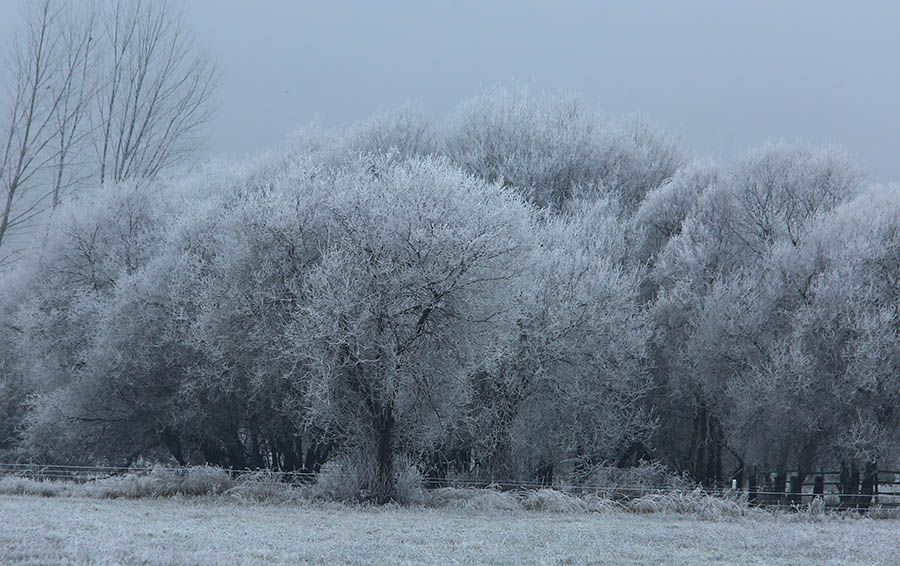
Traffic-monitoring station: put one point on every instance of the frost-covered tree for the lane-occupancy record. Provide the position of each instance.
(32, 105)
(771, 198)
(244, 265)
(94, 243)
(415, 288)
(826, 388)
(552, 148)
(388, 292)
(402, 134)
(569, 390)
(664, 210)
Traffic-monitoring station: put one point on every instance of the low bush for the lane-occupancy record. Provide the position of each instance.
(350, 477)
(205, 480)
(162, 482)
(410, 490)
(696, 502)
(554, 501)
(634, 482)
(473, 499)
(336, 485)
(266, 487)
(345, 478)
(13, 485)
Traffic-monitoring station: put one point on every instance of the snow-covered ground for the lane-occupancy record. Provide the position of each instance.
(36, 530)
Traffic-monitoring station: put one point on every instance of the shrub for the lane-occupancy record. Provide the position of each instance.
(448, 497)
(473, 499)
(205, 480)
(630, 483)
(265, 487)
(879, 512)
(594, 503)
(352, 477)
(554, 501)
(347, 477)
(409, 486)
(13, 485)
(162, 482)
(696, 503)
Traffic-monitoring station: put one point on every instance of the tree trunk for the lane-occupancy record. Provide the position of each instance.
(236, 457)
(819, 485)
(753, 487)
(316, 455)
(779, 486)
(701, 425)
(849, 484)
(212, 454)
(545, 474)
(292, 454)
(173, 445)
(385, 486)
(869, 484)
(716, 441)
(795, 488)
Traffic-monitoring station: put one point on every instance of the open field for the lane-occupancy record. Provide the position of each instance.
(218, 530)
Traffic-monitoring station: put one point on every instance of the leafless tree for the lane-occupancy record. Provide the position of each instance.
(76, 84)
(29, 128)
(156, 92)
(97, 92)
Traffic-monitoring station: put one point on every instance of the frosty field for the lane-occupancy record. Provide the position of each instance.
(36, 530)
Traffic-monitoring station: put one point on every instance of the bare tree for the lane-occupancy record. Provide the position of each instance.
(156, 92)
(114, 91)
(76, 85)
(28, 131)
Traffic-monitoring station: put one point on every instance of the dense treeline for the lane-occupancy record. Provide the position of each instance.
(523, 291)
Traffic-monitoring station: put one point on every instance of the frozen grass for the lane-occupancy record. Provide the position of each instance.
(694, 503)
(221, 530)
(268, 487)
(161, 482)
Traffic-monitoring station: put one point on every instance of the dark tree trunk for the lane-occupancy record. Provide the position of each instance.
(779, 486)
(236, 457)
(291, 453)
(545, 474)
(173, 445)
(714, 453)
(385, 483)
(709, 440)
(753, 487)
(849, 484)
(701, 426)
(796, 489)
(819, 485)
(869, 484)
(316, 456)
(257, 458)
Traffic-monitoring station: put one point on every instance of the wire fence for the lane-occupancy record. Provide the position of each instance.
(885, 492)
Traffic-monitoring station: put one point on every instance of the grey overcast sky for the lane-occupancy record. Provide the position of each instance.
(721, 76)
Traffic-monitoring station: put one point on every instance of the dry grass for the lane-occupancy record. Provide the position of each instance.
(220, 530)
(268, 487)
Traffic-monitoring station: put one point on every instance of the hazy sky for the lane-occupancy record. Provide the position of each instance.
(721, 76)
